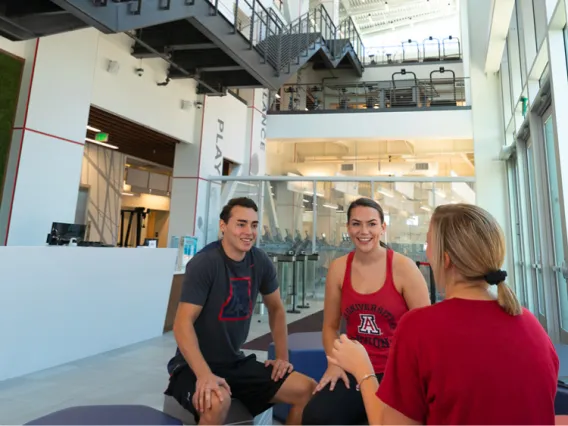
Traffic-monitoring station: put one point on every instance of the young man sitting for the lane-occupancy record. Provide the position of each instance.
(212, 323)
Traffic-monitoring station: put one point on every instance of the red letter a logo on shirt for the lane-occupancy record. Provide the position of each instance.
(368, 325)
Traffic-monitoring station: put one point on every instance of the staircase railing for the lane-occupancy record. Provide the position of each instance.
(348, 30)
(279, 44)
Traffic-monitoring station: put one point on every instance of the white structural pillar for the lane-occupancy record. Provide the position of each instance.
(44, 164)
(332, 7)
(488, 134)
(230, 129)
(293, 9)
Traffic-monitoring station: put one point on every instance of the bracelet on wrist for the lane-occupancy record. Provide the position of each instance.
(365, 377)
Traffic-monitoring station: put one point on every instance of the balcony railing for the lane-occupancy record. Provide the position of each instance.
(367, 96)
(412, 52)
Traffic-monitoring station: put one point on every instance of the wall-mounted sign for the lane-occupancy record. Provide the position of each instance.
(101, 137)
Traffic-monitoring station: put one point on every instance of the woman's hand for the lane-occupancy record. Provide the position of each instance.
(351, 356)
(331, 377)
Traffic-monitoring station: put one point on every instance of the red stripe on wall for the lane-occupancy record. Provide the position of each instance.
(49, 135)
(21, 143)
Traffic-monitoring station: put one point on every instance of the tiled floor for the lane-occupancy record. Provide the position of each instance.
(132, 375)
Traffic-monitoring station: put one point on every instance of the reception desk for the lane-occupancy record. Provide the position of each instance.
(61, 304)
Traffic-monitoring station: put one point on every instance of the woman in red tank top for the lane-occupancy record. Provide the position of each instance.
(477, 357)
(371, 288)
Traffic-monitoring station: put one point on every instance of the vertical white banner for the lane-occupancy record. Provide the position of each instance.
(258, 133)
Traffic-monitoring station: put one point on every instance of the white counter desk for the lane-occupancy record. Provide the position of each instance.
(61, 304)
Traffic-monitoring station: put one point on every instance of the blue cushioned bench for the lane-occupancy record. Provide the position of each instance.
(306, 353)
(107, 415)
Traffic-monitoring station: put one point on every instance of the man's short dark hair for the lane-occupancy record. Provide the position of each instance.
(241, 202)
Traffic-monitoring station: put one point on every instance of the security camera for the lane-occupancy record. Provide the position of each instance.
(139, 71)
(199, 105)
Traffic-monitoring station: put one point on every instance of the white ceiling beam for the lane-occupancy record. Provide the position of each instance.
(501, 13)
(346, 5)
(377, 27)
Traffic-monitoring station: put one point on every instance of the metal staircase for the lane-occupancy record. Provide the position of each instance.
(225, 43)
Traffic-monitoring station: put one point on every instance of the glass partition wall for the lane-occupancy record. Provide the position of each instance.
(303, 222)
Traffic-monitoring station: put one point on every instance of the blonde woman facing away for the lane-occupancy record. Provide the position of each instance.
(471, 359)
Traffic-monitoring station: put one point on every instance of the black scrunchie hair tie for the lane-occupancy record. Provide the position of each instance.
(496, 277)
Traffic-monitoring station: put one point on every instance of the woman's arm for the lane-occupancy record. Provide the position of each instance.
(373, 406)
(332, 305)
(353, 358)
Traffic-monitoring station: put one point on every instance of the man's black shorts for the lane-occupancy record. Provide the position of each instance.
(249, 380)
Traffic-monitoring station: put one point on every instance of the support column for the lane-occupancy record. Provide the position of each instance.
(196, 195)
(44, 164)
(488, 134)
(293, 9)
(332, 7)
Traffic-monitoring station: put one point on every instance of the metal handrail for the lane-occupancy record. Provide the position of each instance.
(408, 92)
(394, 54)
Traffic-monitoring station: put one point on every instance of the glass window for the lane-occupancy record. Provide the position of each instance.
(556, 216)
(536, 232)
(526, 230)
(519, 281)
(506, 86)
(522, 55)
(540, 24)
(514, 62)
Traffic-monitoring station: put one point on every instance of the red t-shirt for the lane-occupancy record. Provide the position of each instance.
(469, 362)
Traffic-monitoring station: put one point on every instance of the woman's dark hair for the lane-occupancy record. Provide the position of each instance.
(367, 202)
(241, 202)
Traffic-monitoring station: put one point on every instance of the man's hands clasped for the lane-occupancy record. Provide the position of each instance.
(206, 386)
(279, 368)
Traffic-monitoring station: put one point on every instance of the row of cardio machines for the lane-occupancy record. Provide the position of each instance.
(301, 267)
(296, 263)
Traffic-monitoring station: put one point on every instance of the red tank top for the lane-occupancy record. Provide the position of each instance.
(372, 318)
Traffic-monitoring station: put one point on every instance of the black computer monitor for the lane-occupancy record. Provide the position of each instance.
(62, 233)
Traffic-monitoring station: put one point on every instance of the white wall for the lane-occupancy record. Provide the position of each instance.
(61, 304)
(47, 144)
(139, 98)
(223, 134)
(386, 125)
(103, 174)
(15, 48)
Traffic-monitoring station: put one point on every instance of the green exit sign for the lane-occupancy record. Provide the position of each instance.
(101, 137)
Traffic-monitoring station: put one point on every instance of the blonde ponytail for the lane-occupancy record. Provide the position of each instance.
(508, 300)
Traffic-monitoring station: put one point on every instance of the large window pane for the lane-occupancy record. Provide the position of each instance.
(556, 214)
(506, 86)
(526, 230)
(516, 252)
(540, 23)
(536, 232)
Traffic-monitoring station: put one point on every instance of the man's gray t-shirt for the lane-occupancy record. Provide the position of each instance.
(227, 290)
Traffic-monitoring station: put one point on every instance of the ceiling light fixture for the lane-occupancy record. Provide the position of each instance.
(106, 145)
(94, 129)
